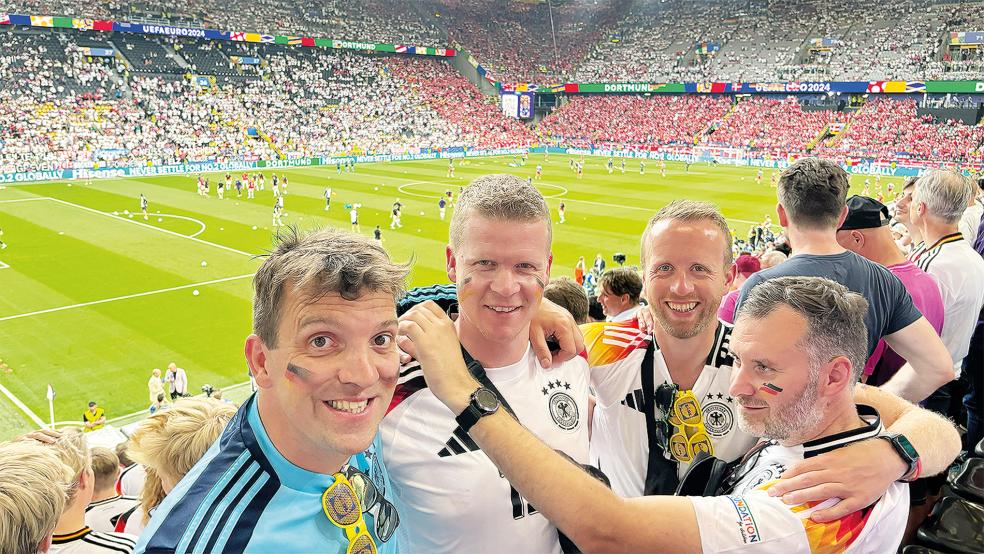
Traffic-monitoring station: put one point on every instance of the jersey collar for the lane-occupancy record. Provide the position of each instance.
(872, 428)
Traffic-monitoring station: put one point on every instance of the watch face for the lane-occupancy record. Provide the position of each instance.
(486, 400)
(906, 446)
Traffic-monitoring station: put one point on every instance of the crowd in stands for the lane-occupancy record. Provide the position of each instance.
(893, 128)
(621, 40)
(636, 120)
(768, 124)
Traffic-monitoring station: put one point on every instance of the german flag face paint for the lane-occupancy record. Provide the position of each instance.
(770, 389)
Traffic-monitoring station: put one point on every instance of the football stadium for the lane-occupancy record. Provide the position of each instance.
(255, 228)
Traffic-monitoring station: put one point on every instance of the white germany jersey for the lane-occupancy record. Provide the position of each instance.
(87, 541)
(619, 440)
(100, 514)
(453, 499)
(749, 520)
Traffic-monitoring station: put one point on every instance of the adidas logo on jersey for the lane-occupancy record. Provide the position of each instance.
(459, 443)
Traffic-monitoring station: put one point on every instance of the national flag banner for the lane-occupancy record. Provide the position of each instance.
(16, 19)
(401, 48)
(307, 41)
(62, 22)
(102, 25)
(572, 88)
(42, 21)
(82, 24)
(422, 50)
(450, 52)
(294, 41)
(266, 38)
(237, 36)
(252, 37)
(328, 43)
(4, 19)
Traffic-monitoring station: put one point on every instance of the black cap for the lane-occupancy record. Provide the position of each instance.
(865, 213)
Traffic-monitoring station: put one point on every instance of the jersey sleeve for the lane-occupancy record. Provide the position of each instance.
(614, 352)
(756, 522)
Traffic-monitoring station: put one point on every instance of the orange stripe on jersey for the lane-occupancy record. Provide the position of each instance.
(607, 343)
(834, 536)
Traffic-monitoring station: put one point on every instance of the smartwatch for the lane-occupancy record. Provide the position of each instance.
(483, 402)
(908, 453)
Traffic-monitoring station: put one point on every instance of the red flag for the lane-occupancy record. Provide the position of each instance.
(102, 25)
(307, 41)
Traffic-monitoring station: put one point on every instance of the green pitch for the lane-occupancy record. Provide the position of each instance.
(93, 297)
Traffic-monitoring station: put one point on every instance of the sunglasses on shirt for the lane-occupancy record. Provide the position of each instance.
(351, 495)
(679, 426)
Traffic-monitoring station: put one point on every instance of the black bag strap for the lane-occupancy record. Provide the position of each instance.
(661, 473)
(567, 546)
(478, 372)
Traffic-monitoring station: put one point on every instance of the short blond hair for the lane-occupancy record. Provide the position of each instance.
(72, 449)
(105, 467)
(34, 485)
(317, 263)
(501, 197)
(691, 211)
(170, 442)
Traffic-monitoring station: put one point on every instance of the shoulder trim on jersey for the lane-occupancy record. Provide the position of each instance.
(69, 537)
(110, 541)
(872, 429)
(411, 381)
(608, 342)
(720, 354)
(442, 294)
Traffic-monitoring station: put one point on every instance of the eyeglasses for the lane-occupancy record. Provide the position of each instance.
(344, 502)
(679, 412)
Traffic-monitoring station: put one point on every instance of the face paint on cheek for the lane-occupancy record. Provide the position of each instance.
(539, 282)
(770, 389)
(297, 374)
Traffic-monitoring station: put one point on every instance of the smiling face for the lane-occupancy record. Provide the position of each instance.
(770, 351)
(685, 274)
(501, 268)
(328, 381)
(611, 304)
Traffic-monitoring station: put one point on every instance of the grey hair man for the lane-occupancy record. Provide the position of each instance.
(323, 354)
(938, 201)
(812, 205)
(799, 348)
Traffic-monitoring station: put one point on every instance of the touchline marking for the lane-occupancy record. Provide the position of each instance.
(125, 297)
(23, 407)
(23, 200)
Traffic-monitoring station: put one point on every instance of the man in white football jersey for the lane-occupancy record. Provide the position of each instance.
(687, 268)
(106, 504)
(802, 346)
(455, 499)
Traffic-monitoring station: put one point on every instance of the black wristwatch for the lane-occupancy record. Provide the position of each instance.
(483, 402)
(908, 453)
